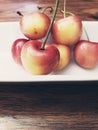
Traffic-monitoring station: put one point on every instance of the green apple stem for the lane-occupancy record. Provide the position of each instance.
(48, 7)
(64, 11)
(67, 13)
(49, 30)
(86, 34)
(64, 8)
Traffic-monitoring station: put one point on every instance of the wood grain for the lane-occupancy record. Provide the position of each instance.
(86, 9)
(49, 106)
(55, 105)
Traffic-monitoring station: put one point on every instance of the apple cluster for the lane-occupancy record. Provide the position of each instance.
(66, 33)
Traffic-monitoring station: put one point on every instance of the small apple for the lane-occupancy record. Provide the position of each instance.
(86, 54)
(39, 61)
(67, 30)
(34, 25)
(16, 49)
(65, 56)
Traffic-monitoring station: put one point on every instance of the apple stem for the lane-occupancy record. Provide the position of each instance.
(48, 7)
(86, 34)
(64, 8)
(19, 13)
(64, 11)
(68, 13)
(51, 24)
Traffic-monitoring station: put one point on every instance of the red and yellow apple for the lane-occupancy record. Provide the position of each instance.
(34, 25)
(39, 61)
(65, 56)
(67, 30)
(16, 49)
(86, 54)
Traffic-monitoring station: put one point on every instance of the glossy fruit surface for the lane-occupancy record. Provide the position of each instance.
(86, 54)
(65, 56)
(34, 25)
(16, 49)
(67, 30)
(37, 61)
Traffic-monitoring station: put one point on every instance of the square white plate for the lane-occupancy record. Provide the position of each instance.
(11, 72)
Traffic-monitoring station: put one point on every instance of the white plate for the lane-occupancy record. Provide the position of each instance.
(11, 72)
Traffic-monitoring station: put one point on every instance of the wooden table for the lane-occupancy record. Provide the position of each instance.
(86, 9)
(54, 105)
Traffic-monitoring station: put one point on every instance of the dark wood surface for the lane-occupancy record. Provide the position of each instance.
(55, 105)
(49, 106)
(86, 9)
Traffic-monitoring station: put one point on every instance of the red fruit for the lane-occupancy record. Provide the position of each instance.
(86, 54)
(65, 56)
(34, 25)
(16, 49)
(38, 61)
(67, 30)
